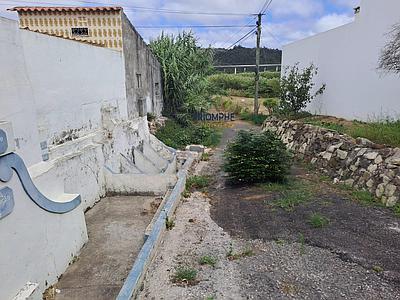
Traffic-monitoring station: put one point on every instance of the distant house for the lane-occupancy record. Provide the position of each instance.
(108, 27)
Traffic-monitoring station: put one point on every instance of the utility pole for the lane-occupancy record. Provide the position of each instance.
(256, 104)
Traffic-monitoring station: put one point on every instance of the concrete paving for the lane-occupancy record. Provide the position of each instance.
(116, 227)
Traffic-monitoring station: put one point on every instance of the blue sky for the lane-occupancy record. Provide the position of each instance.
(286, 20)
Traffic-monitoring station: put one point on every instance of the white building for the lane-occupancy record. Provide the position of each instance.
(347, 58)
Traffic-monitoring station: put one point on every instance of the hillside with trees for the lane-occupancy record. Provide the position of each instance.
(246, 56)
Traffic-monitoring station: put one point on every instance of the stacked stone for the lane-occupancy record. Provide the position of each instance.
(355, 162)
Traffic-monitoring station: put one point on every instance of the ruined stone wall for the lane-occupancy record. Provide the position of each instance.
(356, 162)
(142, 73)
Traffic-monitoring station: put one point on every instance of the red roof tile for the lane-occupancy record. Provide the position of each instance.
(65, 8)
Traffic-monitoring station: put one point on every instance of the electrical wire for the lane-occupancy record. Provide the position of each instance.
(243, 38)
(189, 26)
(143, 9)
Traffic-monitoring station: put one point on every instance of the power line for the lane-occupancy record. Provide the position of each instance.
(243, 38)
(143, 9)
(189, 26)
(229, 40)
(266, 7)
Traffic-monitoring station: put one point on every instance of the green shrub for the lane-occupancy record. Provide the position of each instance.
(296, 88)
(271, 104)
(257, 157)
(178, 136)
(256, 119)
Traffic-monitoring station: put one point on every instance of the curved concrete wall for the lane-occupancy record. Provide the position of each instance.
(347, 58)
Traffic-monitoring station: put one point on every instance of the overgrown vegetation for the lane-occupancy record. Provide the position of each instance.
(185, 66)
(384, 131)
(178, 136)
(296, 88)
(291, 193)
(197, 182)
(256, 157)
(185, 275)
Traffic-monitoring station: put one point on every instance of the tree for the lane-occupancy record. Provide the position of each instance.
(296, 89)
(389, 60)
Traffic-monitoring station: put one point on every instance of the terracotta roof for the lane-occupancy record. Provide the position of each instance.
(65, 8)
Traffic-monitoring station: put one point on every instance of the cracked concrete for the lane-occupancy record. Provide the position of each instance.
(116, 227)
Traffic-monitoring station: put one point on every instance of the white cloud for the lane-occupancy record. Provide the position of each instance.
(331, 21)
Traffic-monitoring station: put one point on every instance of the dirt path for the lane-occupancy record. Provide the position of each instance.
(116, 228)
(353, 256)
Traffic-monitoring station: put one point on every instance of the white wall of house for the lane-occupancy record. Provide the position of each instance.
(347, 58)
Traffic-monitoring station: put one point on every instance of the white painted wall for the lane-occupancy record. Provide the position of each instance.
(347, 58)
(50, 87)
(74, 86)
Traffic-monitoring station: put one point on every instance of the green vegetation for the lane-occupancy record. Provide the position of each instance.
(364, 197)
(231, 255)
(381, 132)
(178, 136)
(208, 260)
(185, 67)
(243, 84)
(256, 157)
(318, 221)
(169, 223)
(255, 119)
(296, 88)
(377, 269)
(185, 275)
(197, 182)
(292, 193)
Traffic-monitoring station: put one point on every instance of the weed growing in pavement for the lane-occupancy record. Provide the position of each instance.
(208, 260)
(234, 256)
(197, 182)
(185, 275)
(377, 269)
(318, 221)
(169, 224)
(205, 157)
(210, 298)
(280, 242)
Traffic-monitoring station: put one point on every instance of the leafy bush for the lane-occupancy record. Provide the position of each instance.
(257, 157)
(184, 69)
(271, 104)
(178, 136)
(296, 88)
(255, 119)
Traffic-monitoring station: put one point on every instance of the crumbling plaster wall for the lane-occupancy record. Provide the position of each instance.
(144, 95)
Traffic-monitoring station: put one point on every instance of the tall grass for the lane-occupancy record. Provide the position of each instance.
(185, 66)
(385, 132)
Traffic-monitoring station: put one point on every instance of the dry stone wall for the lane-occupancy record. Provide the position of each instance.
(356, 162)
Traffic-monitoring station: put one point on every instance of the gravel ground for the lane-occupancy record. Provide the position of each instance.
(277, 269)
